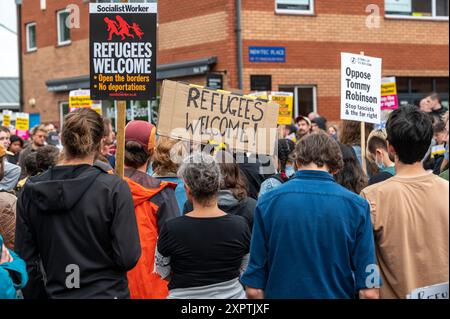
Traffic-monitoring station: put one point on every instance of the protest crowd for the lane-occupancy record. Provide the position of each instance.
(322, 223)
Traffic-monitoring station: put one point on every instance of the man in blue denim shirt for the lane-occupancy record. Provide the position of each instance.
(312, 238)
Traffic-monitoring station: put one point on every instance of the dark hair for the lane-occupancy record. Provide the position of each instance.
(46, 157)
(135, 155)
(321, 122)
(2, 167)
(15, 138)
(30, 163)
(106, 126)
(4, 129)
(439, 127)
(82, 133)
(285, 149)
(410, 132)
(320, 149)
(375, 143)
(350, 132)
(434, 96)
(231, 174)
(351, 175)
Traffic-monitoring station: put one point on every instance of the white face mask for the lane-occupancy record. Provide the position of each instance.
(289, 170)
(381, 165)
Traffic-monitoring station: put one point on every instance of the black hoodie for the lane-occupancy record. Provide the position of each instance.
(74, 218)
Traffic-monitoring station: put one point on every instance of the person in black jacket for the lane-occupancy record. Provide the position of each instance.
(233, 196)
(76, 226)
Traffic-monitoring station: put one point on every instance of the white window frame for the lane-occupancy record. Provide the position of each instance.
(295, 12)
(432, 18)
(58, 22)
(27, 32)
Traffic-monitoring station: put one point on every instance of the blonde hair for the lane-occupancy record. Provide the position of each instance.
(376, 139)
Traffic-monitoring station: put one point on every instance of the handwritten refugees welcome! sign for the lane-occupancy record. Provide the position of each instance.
(193, 113)
(123, 51)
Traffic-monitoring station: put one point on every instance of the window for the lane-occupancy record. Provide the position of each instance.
(31, 37)
(294, 6)
(417, 9)
(305, 98)
(413, 89)
(63, 29)
(260, 82)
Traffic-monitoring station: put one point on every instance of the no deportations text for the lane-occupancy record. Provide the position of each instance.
(126, 87)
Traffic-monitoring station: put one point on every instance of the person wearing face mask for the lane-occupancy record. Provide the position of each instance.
(285, 167)
(377, 152)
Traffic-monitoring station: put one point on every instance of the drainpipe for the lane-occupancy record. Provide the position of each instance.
(19, 40)
(240, 62)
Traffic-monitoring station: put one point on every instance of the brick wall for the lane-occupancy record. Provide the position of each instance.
(192, 29)
(314, 43)
(51, 61)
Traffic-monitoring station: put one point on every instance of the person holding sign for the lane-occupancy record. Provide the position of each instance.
(410, 215)
(154, 203)
(79, 221)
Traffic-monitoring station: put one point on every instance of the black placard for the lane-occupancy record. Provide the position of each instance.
(214, 81)
(123, 51)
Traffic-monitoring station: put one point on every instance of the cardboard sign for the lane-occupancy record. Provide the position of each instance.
(360, 88)
(7, 118)
(389, 97)
(286, 102)
(79, 99)
(22, 125)
(123, 51)
(439, 291)
(192, 113)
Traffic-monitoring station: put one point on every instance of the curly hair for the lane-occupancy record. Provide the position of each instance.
(162, 161)
(320, 149)
(201, 173)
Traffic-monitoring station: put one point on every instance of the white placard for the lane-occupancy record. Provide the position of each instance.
(398, 6)
(439, 291)
(360, 88)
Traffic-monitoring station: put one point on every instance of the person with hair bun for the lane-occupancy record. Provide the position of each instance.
(154, 203)
(285, 169)
(203, 253)
(76, 223)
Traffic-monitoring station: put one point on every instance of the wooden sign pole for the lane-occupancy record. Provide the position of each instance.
(120, 149)
(363, 144)
(121, 120)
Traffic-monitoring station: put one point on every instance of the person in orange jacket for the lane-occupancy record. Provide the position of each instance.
(154, 203)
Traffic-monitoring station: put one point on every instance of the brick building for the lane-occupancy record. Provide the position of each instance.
(287, 45)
